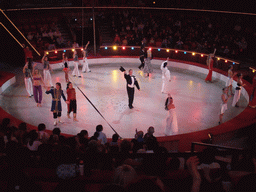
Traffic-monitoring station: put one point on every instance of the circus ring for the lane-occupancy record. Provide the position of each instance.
(180, 142)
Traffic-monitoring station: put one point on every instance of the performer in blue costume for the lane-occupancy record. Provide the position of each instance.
(56, 108)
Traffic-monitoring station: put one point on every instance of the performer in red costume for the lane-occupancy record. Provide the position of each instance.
(72, 106)
(210, 65)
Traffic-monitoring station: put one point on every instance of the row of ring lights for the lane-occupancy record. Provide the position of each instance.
(132, 48)
(168, 50)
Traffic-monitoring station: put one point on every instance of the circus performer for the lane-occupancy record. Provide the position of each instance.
(46, 72)
(72, 106)
(37, 86)
(76, 62)
(148, 69)
(252, 102)
(224, 106)
(238, 90)
(171, 120)
(231, 74)
(85, 60)
(27, 69)
(56, 108)
(142, 58)
(66, 68)
(166, 76)
(210, 67)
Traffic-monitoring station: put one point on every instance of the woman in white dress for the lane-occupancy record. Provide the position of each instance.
(231, 74)
(238, 90)
(171, 120)
(76, 63)
(85, 60)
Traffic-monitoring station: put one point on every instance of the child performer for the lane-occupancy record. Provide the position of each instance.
(56, 93)
(224, 105)
(85, 61)
(72, 106)
(66, 68)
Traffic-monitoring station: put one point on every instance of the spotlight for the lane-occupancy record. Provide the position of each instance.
(64, 51)
(176, 51)
(47, 53)
(106, 47)
(185, 53)
(218, 58)
(123, 48)
(56, 51)
(132, 48)
(167, 50)
(115, 47)
(193, 53)
(73, 50)
(202, 55)
(150, 48)
(159, 49)
(233, 63)
(226, 61)
(82, 49)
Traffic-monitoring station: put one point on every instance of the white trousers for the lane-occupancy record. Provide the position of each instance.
(76, 70)
(85, 66)
(236, 97)
(47, 78)
(29, 86)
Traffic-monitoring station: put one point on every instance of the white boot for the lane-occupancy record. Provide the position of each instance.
(59, 120)
(55, 122)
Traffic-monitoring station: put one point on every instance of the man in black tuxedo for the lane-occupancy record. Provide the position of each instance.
(131, 82)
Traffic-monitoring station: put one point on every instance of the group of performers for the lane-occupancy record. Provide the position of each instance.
(34, 83)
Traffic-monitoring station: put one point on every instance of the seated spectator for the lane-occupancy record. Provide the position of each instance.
(152, 42)
(82, 139)
(57, 34)
(42, 135)
(75, 45)
(95, 137)
(21, 133)
(50, 34)
(113, 145)
(117, 40)
(30, 36)
(125, 41)
(138, 142)
(33, 143)
(102, 136)
(10, 135)
(4, 125)
(149, 134)
(56, 137)
(124, 174)
(60, 42)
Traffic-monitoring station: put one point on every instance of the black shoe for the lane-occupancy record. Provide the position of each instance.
(131, 107)
(79, 76)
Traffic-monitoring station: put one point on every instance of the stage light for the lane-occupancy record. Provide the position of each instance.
(47, 53)
(82, 49)
(167, 50)
(193, 53)
(202, 55)
(73, 50)
(159, 49)
(176, 51)
(123, 48)
(132, 48)
(106, 47)
(154, 2)
(233, 63)
(226, 61)
(185, 53)
(218, 58)
(150, 48)
(64, 51)
(56, 51)
(114, 47)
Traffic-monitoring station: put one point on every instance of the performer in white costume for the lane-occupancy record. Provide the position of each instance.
(171, 120)
(46, 72)
(238, 90)
(229, 82)
(85, 61)
(27, 77)
(224, 106)
(76, 62)
(166, 76)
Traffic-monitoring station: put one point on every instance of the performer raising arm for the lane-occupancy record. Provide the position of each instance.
(85, 61)
(131, 81)
(27, 77)
(47, 69)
